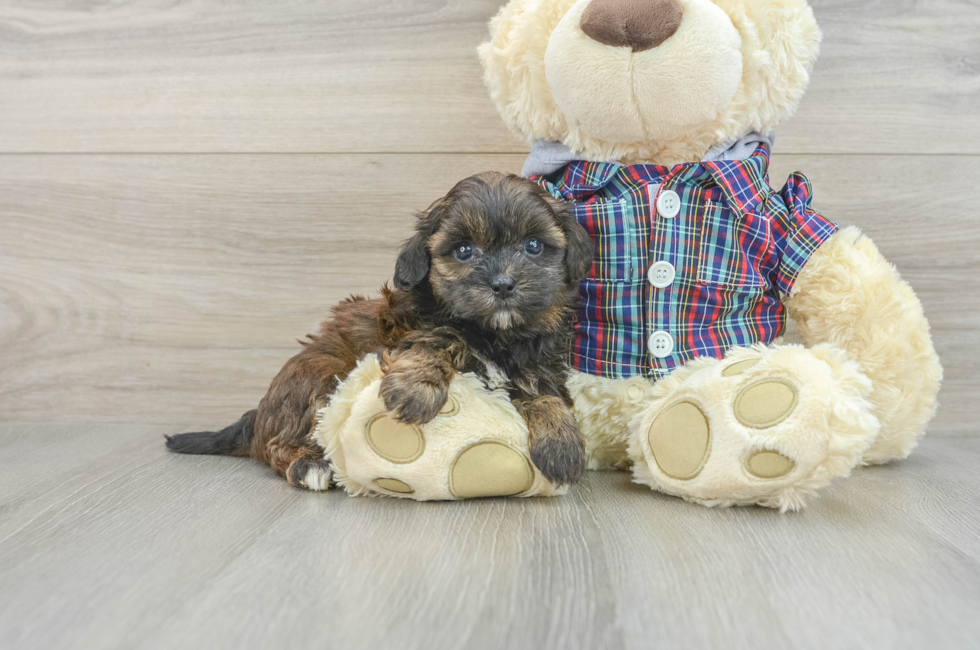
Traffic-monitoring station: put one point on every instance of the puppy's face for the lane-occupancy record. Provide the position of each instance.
(498, 251)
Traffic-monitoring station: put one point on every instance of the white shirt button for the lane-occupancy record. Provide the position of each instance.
(669, 204)
(661, 344)
(662, 274)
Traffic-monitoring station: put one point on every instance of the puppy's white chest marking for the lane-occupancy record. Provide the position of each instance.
(496, 378)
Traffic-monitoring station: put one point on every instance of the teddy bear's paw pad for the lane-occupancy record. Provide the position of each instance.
(680, 440)
(766, 403)
(490, 469)
(450, 409)
(395, 441)
(769, 465)
(394, 485)
(738, 368)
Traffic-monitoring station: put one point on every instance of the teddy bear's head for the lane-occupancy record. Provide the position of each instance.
(648, 80)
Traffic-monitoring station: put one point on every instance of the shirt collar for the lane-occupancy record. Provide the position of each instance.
(745, 183)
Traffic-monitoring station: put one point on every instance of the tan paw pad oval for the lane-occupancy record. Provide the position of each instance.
(490, 469)
(738, 368)
(394, 485)
(680, 441)
(769, 464)
(450, 408)
(394, 441)
(766, 403)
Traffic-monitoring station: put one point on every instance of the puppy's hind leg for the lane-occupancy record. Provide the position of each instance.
(302, 466)
(315, 475)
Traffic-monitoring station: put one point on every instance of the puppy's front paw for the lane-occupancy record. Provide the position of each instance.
(560, 459)
(416, 388)
(556, 444)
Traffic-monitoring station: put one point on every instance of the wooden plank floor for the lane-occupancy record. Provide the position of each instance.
(108, 541)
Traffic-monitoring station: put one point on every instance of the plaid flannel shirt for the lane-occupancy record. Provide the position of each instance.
(735, 246)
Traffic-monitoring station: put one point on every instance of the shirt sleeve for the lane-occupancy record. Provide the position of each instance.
(798, 230)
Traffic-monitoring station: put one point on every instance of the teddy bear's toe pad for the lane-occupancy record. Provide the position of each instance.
(680, 441)
(394, 485)
(394, 441)
(769, 464)
(450, 409)
(490, 469)
(738, 368)
(766, 403)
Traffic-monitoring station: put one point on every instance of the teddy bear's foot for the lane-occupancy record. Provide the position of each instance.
(476, 446)
(764, 426)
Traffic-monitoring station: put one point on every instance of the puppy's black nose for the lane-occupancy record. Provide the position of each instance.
(503, 285)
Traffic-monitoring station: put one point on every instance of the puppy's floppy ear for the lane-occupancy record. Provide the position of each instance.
(578, 249)
(413, 263)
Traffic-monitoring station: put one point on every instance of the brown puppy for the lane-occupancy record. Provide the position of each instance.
(486, 285)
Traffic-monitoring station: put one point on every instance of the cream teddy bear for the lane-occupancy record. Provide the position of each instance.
(653, 119)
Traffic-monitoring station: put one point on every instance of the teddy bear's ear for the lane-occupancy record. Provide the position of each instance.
(514, 71)
(414, 261)
(784, 40)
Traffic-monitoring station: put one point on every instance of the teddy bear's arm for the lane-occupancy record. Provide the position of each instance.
(848, 295)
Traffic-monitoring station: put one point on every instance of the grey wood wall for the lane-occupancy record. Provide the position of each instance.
(186, 186)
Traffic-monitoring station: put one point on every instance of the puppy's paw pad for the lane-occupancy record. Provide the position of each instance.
(740, 367)
(769, 465)
(766, 403)
(394, 441)
(680, 440)
(490, 469)
(394, 485)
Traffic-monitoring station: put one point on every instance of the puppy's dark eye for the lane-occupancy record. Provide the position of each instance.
(533, 247)
(463, 252)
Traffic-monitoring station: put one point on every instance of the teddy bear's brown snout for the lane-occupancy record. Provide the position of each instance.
(637, 24)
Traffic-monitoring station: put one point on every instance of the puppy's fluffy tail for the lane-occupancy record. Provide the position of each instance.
(234, 440)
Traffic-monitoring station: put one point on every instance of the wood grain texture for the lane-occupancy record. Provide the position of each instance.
(108, 541)
(170, 289)
(402, 76)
